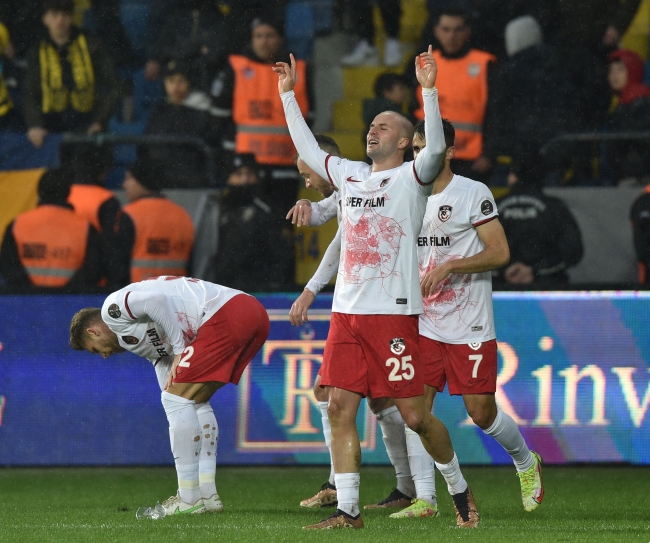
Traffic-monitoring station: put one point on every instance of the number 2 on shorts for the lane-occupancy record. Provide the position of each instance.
(408, 371)
(477, 358)
(184, 359)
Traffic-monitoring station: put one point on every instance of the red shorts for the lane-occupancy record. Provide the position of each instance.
(226, 344)
(468, 368)
(373, 355)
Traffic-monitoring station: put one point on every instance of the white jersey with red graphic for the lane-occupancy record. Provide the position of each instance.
(159, 317)
(460, 309)
(381, 215)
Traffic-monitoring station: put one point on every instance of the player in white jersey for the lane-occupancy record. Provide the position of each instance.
(372, 347)
(389, 419)
(461, 241)
(199, 336)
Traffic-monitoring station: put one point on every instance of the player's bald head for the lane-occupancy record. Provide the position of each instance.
(404, 126)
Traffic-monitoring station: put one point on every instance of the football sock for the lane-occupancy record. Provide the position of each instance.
(505, 430)
(208, 456)
(347, 492)
(185, 438)
(421, 468)
(327, 432)
(392, 429)
(451, 472)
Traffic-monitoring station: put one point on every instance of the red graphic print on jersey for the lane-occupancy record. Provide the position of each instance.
(189, 325)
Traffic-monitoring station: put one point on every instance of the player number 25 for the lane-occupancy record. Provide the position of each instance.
(187, 353)
(476, 358)
(408, 371)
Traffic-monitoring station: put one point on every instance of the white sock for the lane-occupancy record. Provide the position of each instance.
(392, 429)
(185, 439)
(327, 432)
(347, 492)
(451, 472)
(421, 468)
(208, 456)
(505, 430)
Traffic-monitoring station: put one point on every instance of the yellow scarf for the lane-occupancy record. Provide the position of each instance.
(55, 95)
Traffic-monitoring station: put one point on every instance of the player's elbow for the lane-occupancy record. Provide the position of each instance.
(504, 255)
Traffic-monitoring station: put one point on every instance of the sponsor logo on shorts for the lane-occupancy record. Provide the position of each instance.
(475, 346)
(486, 207)
(402, 385)
(130, 340)
(477, 328)
(114, 311)
(397, 345)
(401, 301)
(444, 213)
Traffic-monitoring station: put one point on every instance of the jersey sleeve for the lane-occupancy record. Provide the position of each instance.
(482, 207)
(427, 164)
(323, 211)
(328, 265)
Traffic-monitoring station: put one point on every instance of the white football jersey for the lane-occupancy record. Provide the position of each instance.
(460, 310)
(159, 317)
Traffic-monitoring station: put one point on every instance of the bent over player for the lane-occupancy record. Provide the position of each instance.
(372, 347)
(199, 337)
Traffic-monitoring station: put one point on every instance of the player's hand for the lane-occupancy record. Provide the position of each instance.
(426, 69)
(519, 274)
(172, 372)
(298, 314)
(300, 213)
(432, 279)
(286, 75)
(37, 136)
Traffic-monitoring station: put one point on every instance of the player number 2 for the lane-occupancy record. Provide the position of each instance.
(187, 353)
(408, 371)
(477, 362)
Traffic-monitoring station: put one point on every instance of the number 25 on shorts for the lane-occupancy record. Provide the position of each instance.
(187, 353)
(408, 371)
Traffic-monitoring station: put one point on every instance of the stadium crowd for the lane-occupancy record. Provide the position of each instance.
(524, 74)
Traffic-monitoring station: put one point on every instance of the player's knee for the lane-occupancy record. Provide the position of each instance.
(482, 416)
(320, 393)
(414, 420)
(337, 413)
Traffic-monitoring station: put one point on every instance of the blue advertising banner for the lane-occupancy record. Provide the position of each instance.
(574, 372)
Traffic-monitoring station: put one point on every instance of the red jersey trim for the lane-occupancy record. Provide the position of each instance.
(486, 220)
(328, 171)
(126, 304)
(417, 178)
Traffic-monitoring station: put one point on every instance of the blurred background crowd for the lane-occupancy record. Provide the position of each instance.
(142, 138)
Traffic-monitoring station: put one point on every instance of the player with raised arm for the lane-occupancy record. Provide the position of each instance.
(199, 336)
(372, 347)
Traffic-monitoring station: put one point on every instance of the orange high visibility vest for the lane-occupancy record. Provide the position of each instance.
(164, 235)
(52, 242)
(462, 93)
(86, 200)
(258, 113)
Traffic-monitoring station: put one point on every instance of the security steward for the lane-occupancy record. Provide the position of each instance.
(154, 235)
(247, 88)
(51, 246)
(462, 92)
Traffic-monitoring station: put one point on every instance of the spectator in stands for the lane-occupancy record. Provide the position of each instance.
(463, 84)
(246, 87)
(543, 235)
(183, 112)
(51, 246)
(71, 83)
(532, 98)
(244, 12)
(9, 120)
(391, 94)
(111, 31)
(364, 52)
(640, 219)
(23, 19)
(252, 252)
(630, 159)
(195, 32)
(154, 235)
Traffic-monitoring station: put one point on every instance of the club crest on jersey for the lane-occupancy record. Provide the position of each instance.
(130, 340)
(486, 207)
(384, 182)
(397, 345)
(444, 213)
(475, 346)
(114, 311)
(474, 69)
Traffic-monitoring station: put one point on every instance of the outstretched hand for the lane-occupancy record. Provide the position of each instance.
(426, 69)
(286, 75)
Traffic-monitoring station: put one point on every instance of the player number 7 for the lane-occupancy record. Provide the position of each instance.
(477, 362)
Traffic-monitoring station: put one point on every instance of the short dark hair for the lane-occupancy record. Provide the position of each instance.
(326, 143)
(454, 11)
(65, 6)
(79, 324)
(55, 185)
(385, 82)
(447, 128)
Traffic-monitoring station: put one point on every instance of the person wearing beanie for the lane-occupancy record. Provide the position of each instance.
(154, 235)
(629, 159)
(51, 245)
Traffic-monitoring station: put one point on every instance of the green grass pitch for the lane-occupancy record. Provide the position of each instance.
(594, 504)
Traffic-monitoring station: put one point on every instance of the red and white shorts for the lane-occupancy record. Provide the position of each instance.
(226, 343)
(467, 368)
(373, 355)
